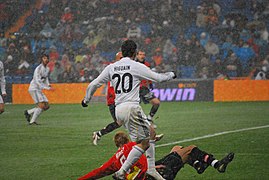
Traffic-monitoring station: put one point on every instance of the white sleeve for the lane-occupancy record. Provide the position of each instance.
(38, 80)
(145, 72)
(2, 79)
(96, 83)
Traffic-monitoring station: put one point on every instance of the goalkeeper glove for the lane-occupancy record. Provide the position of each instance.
(175, 75)
(83, 104)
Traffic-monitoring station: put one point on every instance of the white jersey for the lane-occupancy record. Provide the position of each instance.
(2, 79)
(125, 76)
(40, 79)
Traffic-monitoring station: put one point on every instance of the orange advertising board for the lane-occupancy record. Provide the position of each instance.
(241, 90)
(62, 93)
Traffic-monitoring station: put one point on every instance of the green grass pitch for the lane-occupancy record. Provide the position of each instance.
(61, 148)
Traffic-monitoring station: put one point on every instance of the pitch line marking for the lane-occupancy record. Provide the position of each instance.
(213, 135)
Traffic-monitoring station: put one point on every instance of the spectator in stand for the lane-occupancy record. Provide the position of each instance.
(188, 58)
(226, 47)
(263, 32)
(79, 68)
(47, 31)
(92, 73)
(3, 40)
(68, 16)
(11, 63)
(203, 68)
(228, 21)
(56, 73)
(67, 35)
(232, 66)
(97, 59)
(59, 29)
(69, 75)
(204, 37)
(200, 17)
(245, 35)
(245, 54)
(65, 62)
(89, 41)
(211, 48)
(217, 69)
(157, 58)
(198, 52)
(53, 54)
(44, 43)
(211, 18)
(262, 71)
(134, 32)
(168, 49)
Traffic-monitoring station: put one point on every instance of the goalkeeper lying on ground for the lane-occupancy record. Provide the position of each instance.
(168, 166)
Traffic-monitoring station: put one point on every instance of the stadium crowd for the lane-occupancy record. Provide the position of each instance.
(199, 39)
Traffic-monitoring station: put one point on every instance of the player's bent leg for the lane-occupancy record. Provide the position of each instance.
(132, 158)
(41, 106)
(155, 106)
(45, 106)
(199, 160)
(109, 128)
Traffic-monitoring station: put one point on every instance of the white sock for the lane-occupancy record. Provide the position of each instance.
(37, 112)
(214, 162)
(31, 111)
(132, 158)
(150, 153)
(150, 117)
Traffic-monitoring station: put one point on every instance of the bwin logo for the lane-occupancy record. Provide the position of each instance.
(175, 94)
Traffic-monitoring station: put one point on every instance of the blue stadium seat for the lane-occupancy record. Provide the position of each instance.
(109, 56)
(17, 79)
(145, 28)
(27, 79)
(187, 72)
(8, 79)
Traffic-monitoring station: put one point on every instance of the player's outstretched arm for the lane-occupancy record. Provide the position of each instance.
(96, 83)
(146, 73)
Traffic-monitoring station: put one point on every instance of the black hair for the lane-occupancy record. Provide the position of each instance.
(44, 55)
(128, 48)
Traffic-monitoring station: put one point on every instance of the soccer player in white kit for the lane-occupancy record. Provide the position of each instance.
(125, 76)
(39, 82)
(3, 87)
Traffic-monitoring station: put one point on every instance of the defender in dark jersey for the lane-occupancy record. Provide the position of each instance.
(146, 96)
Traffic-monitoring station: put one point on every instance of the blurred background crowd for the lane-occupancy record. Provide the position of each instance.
(200, 39)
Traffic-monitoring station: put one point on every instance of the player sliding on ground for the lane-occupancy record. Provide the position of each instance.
(168, 166)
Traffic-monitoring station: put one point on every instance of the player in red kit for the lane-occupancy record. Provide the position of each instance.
(137, 171)
(145, 86)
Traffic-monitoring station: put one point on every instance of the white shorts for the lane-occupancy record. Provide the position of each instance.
(38, 96)
(134, 120)
(1, 100)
